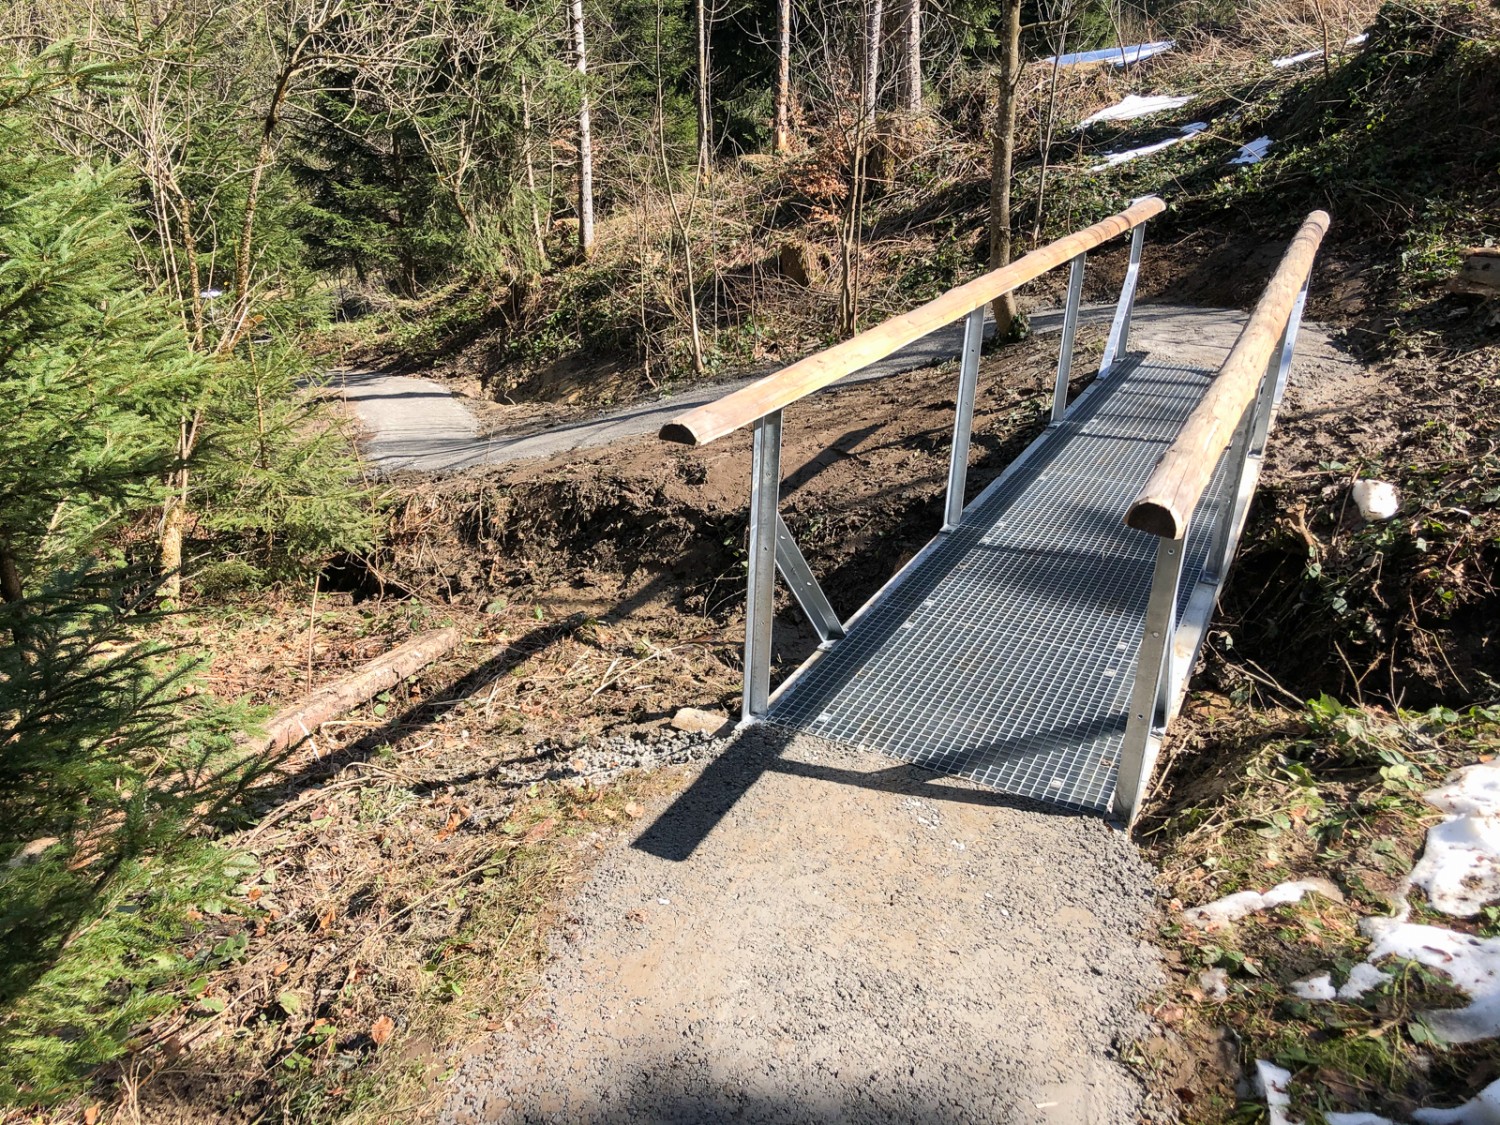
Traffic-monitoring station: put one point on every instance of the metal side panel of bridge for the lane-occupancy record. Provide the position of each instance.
(1006, 650)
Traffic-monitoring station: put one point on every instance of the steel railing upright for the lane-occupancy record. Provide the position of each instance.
(1235, 414)
(760, 404)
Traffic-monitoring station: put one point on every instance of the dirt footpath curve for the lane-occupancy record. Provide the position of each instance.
(815, 934)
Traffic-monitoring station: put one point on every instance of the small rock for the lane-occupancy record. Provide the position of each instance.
(32, 852)
(1376, 499)
(1215, 983)
(694, 721)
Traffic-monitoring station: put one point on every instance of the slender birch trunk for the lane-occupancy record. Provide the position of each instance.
(871, 92)
(585, 136)
(782, 131)
(1002, 160)
(913, 89)
(705, 122)
(536, 218)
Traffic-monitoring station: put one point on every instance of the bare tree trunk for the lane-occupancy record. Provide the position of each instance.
(850, 233)
(295, 61)
(1001, 161)
(682, 222)
(782, 132)
(705, 122)
(585, 137)
(536, 218)
(913, 56)
(870, 93)
(10, 578)
(1058, 49)
(171, 539)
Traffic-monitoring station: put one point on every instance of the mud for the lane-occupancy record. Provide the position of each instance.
(814, 934)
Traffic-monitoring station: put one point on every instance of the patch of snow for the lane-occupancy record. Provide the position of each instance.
(1293, 60)
(1252, 153)
(1471, 963)
(1482, 1109)
(1316, 987)
(1115, 56)
(1357, 1119)
(1113, 158)
(1376, 499)
(1274, 1081)
(211, 294)
(1133, 106)
(1362, 978)
(1231, 908)
(1356, 40)
(1460, 865)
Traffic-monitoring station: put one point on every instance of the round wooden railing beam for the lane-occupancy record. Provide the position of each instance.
(1166, 502)
(723, 416)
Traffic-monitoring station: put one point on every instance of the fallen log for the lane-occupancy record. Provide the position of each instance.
(291, 726)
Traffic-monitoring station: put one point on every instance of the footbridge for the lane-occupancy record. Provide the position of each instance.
(1043, 640)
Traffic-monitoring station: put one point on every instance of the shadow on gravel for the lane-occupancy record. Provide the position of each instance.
(651, 1107)
(759, 750)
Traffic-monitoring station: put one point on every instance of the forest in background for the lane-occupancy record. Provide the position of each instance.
(200, 203)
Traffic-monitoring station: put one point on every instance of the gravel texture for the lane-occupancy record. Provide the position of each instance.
(814, 934)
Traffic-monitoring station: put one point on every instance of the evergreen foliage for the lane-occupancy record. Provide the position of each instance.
(89, 364)
(280, 490)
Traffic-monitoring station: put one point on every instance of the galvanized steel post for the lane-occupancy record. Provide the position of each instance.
(1119, 329)
(765, 484)
(963, 420)
(1155, 681)
(1069, 331)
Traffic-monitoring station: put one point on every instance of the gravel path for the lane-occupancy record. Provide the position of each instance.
(814, 934)
(416, 424)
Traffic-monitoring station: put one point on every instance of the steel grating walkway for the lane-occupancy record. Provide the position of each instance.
(1005, 652)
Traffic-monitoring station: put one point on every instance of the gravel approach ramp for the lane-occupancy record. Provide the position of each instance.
(814, 934)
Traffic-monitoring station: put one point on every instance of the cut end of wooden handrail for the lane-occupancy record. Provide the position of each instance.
(1147, 515)
(675, 431)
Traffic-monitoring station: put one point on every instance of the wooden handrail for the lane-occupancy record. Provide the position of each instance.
(1166, 502)
(715, 419)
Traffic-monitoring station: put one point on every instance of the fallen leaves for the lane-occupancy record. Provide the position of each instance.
(382, 1029)
(539, 831)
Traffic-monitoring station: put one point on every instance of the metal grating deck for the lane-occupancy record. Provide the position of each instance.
(1005, 652)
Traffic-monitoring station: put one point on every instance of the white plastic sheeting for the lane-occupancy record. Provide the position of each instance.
(1316, 52)
(1252, 153)
(1293, 60)
(1113, 158)
(1134, 106)
(1115, 56)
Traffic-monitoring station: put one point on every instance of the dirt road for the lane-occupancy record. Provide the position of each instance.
(812, 934)
(416, 424)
